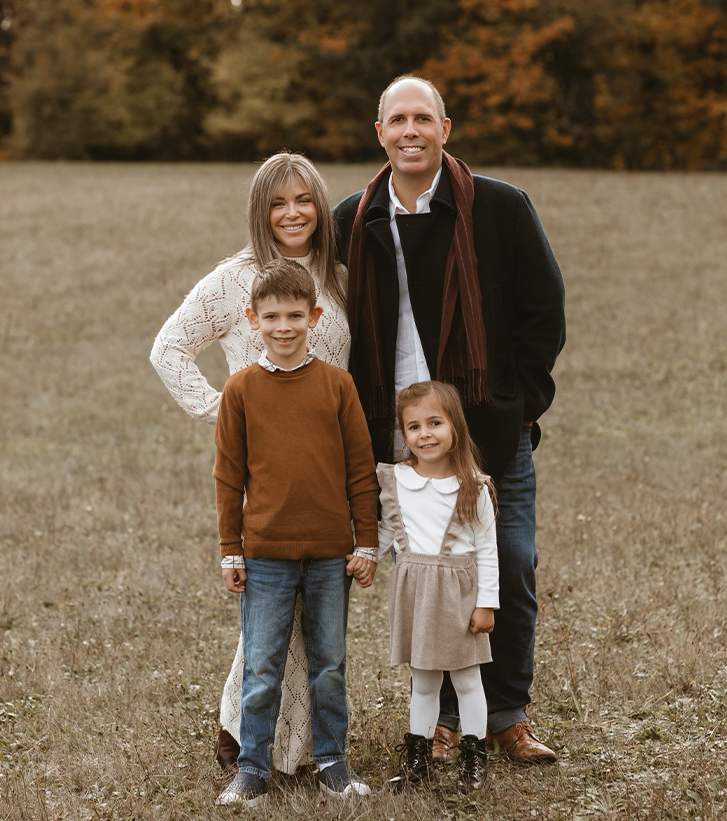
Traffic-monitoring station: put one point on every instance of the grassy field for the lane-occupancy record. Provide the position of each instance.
(116, 634)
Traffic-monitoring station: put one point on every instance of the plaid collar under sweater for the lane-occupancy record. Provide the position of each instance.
(264, 362)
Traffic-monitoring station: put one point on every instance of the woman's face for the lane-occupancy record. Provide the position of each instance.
(293, 219)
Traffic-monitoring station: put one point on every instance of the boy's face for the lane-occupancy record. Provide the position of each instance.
(283, 324)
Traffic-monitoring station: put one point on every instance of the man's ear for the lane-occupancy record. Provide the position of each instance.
(380, 132)
(315, 315)
(252, 319)
(446, 128)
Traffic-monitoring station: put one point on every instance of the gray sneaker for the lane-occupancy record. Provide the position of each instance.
(246, 788)
(339, 779)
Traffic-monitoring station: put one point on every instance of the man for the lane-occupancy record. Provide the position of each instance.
(451, 277)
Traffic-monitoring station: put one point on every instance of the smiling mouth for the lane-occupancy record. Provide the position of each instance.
(427, 447)
(292, 228)
(412, 149)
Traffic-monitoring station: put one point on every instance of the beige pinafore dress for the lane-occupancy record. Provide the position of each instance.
(431, 598)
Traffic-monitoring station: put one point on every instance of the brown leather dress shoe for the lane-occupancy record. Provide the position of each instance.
(520, 744)
(226, 749)
(444, 747)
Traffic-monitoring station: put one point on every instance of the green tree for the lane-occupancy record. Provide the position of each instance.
(307, 74)
(8, 27)
(115, 79)
(617, 83)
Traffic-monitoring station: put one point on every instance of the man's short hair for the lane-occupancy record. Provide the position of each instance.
(439, 102)
(283, 278)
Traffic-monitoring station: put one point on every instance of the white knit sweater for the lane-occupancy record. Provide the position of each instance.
(215, 309)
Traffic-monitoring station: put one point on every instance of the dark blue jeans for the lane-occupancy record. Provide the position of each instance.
(509, 676)
(267, 607)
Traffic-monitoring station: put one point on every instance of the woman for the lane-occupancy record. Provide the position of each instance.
(289, 216)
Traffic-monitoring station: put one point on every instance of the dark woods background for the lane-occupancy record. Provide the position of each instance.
(598, 83)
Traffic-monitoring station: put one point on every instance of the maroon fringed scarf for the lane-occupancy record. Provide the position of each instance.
(462, 356)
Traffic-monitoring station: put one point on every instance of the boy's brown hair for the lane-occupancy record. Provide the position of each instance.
(283, 278)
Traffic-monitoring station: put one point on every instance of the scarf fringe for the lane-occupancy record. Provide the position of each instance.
(472, 387)
(375, 403)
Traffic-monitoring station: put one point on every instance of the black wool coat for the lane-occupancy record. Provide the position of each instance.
(522, 303)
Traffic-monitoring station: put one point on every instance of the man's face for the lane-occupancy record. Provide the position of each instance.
(411, 132)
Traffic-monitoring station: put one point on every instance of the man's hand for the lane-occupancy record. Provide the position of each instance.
(234, 579)
(482, 620)
(361, 569)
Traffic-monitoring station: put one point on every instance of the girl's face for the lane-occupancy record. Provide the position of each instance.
(428, 434)
(293, 219)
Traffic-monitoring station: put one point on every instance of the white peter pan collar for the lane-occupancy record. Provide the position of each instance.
(411, 480)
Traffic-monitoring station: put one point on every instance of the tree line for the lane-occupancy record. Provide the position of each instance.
(632, 84)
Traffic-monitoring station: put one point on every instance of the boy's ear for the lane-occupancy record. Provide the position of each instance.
(252, 319)
(315, 315)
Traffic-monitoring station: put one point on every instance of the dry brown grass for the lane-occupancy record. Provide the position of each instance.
(116, 633)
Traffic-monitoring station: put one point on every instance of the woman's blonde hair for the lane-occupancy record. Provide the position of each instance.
(275, 174)
(465, 455)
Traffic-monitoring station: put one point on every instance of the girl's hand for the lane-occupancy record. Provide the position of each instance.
(234, 579)
(482, 620)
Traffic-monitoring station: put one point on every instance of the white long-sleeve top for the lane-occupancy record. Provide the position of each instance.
(215, 310)
(410, 364)
(426, 507)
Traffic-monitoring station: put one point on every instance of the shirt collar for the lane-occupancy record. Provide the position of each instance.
(423, 200)
(411, 480)
(264, 362)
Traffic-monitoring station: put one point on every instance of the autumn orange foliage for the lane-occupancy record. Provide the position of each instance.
(651, 88)
(606, 83)
(493, 73)
(661, 100)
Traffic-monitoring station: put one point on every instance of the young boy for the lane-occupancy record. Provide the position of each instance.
(292, 436)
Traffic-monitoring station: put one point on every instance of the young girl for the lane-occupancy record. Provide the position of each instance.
(438, 515)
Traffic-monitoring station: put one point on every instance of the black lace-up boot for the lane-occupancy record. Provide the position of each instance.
(415, 762)
(472, 763)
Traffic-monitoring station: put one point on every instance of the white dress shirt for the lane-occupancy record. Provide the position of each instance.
(410, 364)
(426, 507)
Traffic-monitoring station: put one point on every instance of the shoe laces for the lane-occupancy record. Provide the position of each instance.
(470, 759)
(412, 752)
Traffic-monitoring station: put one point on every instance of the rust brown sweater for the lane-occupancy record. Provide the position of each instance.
(298, 444)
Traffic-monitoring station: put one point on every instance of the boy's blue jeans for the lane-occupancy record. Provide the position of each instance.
(267, 608)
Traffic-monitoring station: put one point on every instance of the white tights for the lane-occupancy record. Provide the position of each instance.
(424, 707)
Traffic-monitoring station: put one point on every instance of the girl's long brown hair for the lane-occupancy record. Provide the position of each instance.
(465, 455)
